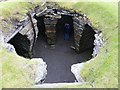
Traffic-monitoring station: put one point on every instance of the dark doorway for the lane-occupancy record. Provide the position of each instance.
(61, 30)
(40, 25)
(21, 44)
(87, 39)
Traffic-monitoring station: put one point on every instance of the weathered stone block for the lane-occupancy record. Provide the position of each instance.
(50, 21)
(51, 36)
(77, 37)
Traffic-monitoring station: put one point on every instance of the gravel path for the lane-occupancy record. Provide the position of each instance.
(59, 59)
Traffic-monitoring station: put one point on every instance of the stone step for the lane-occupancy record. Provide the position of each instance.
(56, 85)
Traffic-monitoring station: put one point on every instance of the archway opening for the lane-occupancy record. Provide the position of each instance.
(87, 39)
(21, 44)
(61, 28)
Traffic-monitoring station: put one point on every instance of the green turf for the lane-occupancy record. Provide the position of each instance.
(103, 70)
(14, 11)
(14, 71)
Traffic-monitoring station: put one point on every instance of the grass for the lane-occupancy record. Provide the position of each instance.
(17, 72)
(14, 73)
(15, 9)
(102, 71)
(11, 11)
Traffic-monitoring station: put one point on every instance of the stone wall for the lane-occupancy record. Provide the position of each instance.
(87, 39)
(50, 24)
(78, 29)
(23, 39)
(84, 36)
(7, 46)
(84, 39)
(28, 31)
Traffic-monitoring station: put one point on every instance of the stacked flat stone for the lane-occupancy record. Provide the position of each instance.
(50, 24)
(78, 30)
(79, 21)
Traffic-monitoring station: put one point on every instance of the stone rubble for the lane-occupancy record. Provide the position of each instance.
(76, 69)
(7, 46)
(98, 42)
(41, 70)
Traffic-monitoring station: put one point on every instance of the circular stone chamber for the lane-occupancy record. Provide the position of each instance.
(61, 37)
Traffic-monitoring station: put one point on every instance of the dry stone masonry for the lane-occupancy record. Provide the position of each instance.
(50, 24)
(23, 38)
(84, 32)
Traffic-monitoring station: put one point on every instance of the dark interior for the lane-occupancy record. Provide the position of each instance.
(87, 39)
(21, 44)
(60, 26)
(59, 57)
(40, 25)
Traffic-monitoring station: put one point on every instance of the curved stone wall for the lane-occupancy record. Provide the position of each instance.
(84, 36)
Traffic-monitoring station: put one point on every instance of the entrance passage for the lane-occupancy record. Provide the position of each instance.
(59, 57)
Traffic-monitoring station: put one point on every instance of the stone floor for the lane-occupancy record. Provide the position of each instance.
(59, 58)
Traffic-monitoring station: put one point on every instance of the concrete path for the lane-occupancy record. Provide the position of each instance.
(59, 59)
